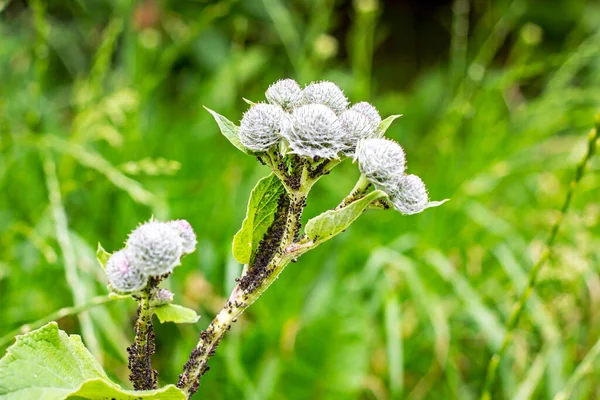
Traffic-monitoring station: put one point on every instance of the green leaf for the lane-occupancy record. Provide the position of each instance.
(176, 313)
(102, 256)
(101, 389)
(48, 364)
(259, 217)
(332, 222)
(385, 124)
(249, 101)
(229, 130)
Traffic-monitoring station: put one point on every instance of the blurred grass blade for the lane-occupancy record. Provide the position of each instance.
(459, 40)
(96, 162)
(540, 315)
(268, 376)
(68, 252)
(430, 303)
(486, 320)
(362, 45)
(588, 365)
(62, 313)
(393, 338)
(532, 379)
(515, 316)
(286, 28)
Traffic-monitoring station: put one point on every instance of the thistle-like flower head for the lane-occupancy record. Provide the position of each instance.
(260, 126)
(123, 274)
(382, 162)
(187, 235)
(326, 93)
(369, 110)
(161, 297)
(356, 126)
(410, 197)
(156, 247)
(314, 130)
(285, 93)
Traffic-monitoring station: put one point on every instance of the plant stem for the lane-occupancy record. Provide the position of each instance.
(251, 286)
(140, 352)
(515, 316)
(362, 185)
(63, 312)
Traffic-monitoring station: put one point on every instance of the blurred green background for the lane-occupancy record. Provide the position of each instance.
(101, 127)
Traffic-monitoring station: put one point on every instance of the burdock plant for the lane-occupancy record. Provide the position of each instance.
(300, 135)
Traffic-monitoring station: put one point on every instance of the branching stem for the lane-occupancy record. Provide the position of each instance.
(253, 283)
(280, 246)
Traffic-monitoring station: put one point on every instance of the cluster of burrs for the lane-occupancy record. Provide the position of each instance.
(317, 122)
(153, 249)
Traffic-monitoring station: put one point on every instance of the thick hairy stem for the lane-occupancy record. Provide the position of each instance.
(274, 254)
(142, 375)
(517, 311)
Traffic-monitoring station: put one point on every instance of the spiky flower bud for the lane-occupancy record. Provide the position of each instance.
(123, 274)
(260, 126)
(156, 247)
(356, 126)
(410, 197)
(382, 162)
(285, 93)
(187, 235)
(369, 110)
(314, 130)
(326, 93)
(161, 297)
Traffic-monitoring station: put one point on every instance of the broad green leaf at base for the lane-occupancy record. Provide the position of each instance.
(176, 313)
(48, 364)
(332, 222)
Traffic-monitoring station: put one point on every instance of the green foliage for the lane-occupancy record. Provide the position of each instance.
(262, 207)
(325, 226)
(102, 256)
(497, 98)
(176, 313)
(385, 124)
(47, 363)
(228, 129)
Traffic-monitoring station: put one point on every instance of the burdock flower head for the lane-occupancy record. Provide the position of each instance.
(356, 126)
(123, 274)
(186, 233)
(285, 93)
(313, 130)
(260, 126)
(382, 162)
(326, 93)
(156, 247)
(369, 111)
(410, 197)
